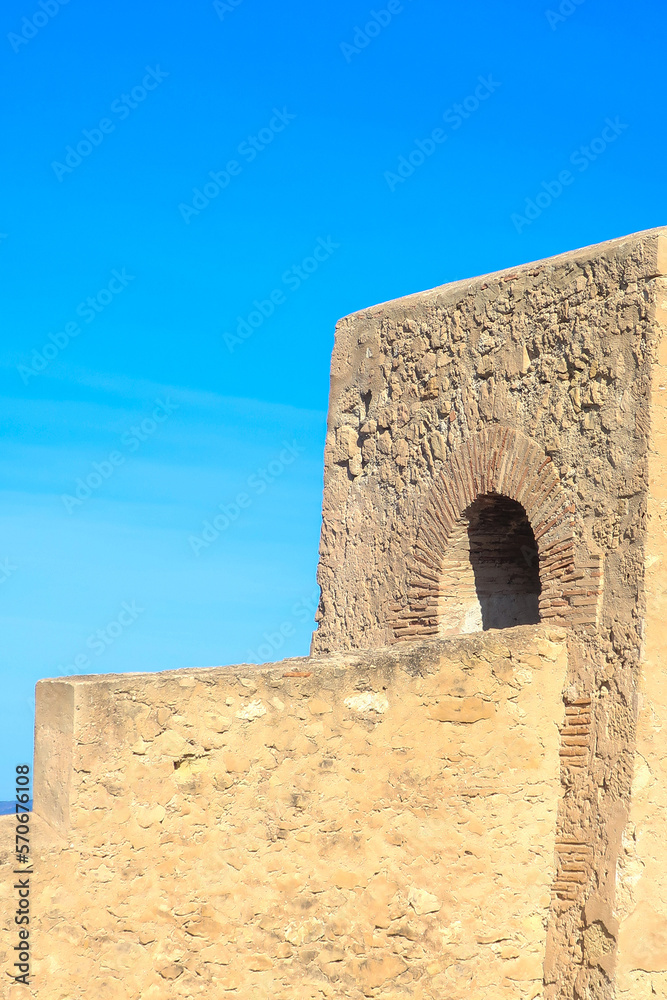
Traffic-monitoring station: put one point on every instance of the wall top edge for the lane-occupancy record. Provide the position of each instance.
(497, 641)
(592, 252)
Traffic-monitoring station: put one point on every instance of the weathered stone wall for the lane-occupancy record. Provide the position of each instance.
(541, 384)
(641, 896)
(374, 824)
(386, 820)
(558, 351)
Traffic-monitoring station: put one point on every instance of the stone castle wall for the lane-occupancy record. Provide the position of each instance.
(558, 354)
(411, 811)
(365, 825)
(641, 883)
(543, 384)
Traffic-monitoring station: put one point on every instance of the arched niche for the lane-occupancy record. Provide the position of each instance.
(498, 476)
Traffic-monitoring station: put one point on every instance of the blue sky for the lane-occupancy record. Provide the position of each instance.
(192, 196)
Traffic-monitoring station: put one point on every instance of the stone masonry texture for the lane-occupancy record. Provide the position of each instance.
(363, 825)
(462, 792)
(543, 385)
(540, 373)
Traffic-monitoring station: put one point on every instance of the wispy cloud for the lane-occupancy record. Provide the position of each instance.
(131, 389)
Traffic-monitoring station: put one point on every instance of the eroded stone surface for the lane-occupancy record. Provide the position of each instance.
(341, 852)
(544, 385)
(387, 822)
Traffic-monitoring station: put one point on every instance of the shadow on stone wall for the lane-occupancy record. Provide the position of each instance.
(505, 562)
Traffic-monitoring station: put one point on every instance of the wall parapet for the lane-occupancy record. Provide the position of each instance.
(380, 823)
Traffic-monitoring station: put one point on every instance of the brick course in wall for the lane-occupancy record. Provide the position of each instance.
(544, 384)
(503, 462)
(402, 815)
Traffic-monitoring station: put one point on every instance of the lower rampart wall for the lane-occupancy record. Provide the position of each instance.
(378, 824)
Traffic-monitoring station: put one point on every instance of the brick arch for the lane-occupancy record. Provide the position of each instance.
(503, 462)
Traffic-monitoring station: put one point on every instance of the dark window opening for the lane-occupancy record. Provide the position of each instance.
(505, 562)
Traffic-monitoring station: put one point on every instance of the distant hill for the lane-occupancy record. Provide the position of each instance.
(8, 807)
